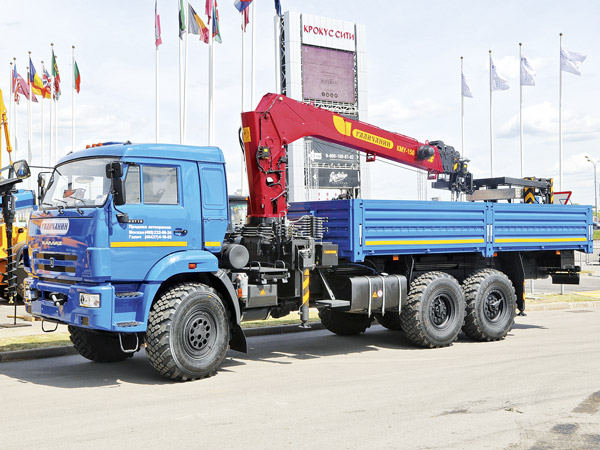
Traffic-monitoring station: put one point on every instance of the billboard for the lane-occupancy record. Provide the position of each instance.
(322, 152)
(337, 178)
(328, 74)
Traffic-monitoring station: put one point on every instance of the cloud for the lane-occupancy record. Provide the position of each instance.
(542, 120)
(392, 110)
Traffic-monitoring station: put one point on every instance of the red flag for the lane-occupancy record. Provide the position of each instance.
(157, 39)
(246, 15)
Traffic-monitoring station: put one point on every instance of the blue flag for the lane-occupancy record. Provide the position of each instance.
(278, 7)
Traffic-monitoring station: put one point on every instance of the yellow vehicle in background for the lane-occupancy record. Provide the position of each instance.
(24, 202)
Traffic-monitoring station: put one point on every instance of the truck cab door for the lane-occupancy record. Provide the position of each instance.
(215, 213)
(162, 217)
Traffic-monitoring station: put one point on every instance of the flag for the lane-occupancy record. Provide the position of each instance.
(278, 8)
(527, 73)
(46, 80)
(37, 87)
(241, 5)
(213, 12)
(196, 25)
(498, 82)
(246, 15)
(76, 77)
(56, 76)
(466, 90)
(21, 87)
(181, 20)
(570, 61)
(157, 39)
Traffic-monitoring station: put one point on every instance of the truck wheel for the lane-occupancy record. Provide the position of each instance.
(491, 303)
(344, 323)
(435, 310)
(391, 321)
(97, 346)
(188, 332)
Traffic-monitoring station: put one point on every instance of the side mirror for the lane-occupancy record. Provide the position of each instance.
(118, 191)
(114, 170)
(41, 181)
(21, 169)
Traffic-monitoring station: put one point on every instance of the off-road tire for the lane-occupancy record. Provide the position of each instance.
(435, 310)
(102, 347)
(344, 323)
(391, 321)
(188, 332)
(490, 305)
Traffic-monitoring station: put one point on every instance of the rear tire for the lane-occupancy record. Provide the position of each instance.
(491, 305)
(391, 321)
(188, 332)
(435, 310)
(102, 347)
(344, 323)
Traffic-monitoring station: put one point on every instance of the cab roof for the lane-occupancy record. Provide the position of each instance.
(128, 150)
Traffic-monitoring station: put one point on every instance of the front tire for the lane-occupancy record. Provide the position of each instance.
(344, 323)
(435, 310)
(188, 332)
(102, 347)
(491, 305)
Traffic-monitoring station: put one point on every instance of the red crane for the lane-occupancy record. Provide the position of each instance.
(279, 120)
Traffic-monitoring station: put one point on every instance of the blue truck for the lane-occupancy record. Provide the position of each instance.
(131, 247)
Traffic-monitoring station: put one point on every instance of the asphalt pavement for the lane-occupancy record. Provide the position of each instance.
(537, 389)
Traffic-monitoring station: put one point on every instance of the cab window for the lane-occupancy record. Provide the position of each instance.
(132, 186)
(160, 185)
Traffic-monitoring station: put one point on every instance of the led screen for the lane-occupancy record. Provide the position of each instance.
(327, 74)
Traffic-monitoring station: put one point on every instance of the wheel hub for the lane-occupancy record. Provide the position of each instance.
(494, 305)
(199, 333)
(440, 311)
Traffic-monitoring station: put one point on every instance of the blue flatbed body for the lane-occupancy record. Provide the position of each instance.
(363, 228)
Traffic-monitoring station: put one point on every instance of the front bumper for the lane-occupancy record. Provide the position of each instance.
(59, 302)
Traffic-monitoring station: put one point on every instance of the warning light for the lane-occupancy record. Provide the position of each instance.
(192, 265)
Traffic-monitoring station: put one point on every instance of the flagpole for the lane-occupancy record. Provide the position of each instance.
(253, 60)
(55, 155)
(243, 163)
(43, 128)
(156, 73)
(185, 71)
(29, 131)
(15, 130)
(277, 23)
(560, 171)
(211, 78)
(521, 110)
(491, 124)
(52, 89)
(73, 100)
(462, 110)
(180, 91)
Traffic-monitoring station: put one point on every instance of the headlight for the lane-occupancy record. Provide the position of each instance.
(89, 300)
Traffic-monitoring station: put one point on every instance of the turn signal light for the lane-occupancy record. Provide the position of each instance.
(192, 265)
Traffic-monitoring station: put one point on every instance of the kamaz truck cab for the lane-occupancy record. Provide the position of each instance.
(121, 227)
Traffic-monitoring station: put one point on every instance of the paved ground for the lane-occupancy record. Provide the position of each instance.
(538, 389)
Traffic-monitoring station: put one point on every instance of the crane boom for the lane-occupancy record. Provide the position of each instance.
(279, 120)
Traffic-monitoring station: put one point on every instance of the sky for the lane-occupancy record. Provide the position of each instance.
(413, 54)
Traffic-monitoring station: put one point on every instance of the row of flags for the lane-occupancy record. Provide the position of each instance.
(569, 62)
(195, 24)
(47, 87)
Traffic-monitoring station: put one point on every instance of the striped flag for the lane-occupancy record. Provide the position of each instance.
(76, 78)
(241, 5)
(196, 25)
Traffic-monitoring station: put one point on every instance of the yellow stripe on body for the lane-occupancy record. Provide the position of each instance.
(149, 244)
(212, 244)
(574, 239)
(427, 242)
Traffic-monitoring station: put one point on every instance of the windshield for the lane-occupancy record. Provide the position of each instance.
(78, 184)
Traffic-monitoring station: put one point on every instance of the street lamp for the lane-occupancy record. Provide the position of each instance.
(594, 162)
